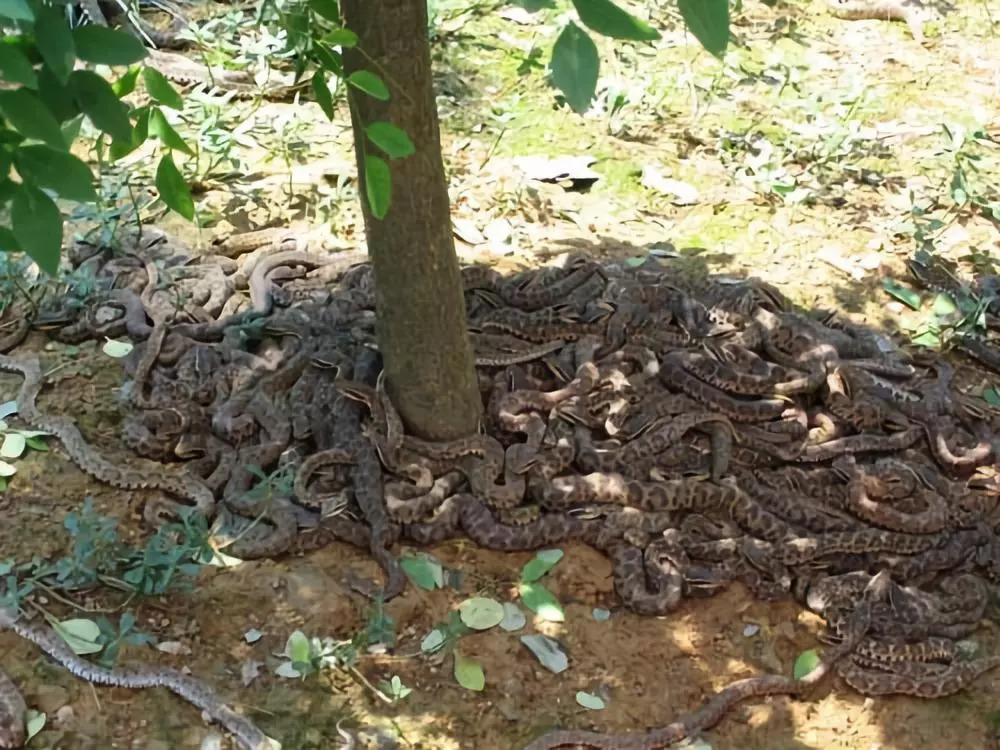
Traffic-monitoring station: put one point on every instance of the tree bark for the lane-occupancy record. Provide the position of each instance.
(421, 324)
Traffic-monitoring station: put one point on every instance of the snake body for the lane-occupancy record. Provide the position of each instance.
(697, 432)
(193, 691)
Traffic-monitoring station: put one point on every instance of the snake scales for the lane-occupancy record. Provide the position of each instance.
(699, 432)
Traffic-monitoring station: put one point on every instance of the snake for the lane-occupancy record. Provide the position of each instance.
(195, 692)
(697, 432)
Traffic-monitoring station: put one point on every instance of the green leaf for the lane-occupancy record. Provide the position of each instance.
(57, 170)
(29, 434)
(904, 294)
(589, 700)
(36, 445)
(18, 10)
(513, 617)
(541, 601)
(13, 445)
(104, 46)
(943, 306)
(433, 641)
(29, 116)
(55, 41)
(469, 673)
(56, 95)
(15, 67)
(929, 339)
(34, 722)
(708, 20)
(378, 185)
(37, 226)
(328, 9)
(8, 242)
(329, 59)
(99, 103)
(117, 349)
(423, 571)
(140, 132)
(394, 141)
(159, 127)
(322, 93)
(370, 83)
(83, 636)
(575, 66)
(548, 651)
(341, 38)
(297, 647)
(479, 612)
(541, 564)
(71, 129)
(174, 190)
(7, 470)
(806, 662)
(992, 396)
(161, 89)
(606, 18)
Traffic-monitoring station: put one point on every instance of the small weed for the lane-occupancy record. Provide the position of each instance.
(168, 561)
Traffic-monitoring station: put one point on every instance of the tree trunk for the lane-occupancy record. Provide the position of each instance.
(421, 326)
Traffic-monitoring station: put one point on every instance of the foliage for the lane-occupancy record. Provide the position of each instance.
(168, 561)
(43, 107)
(15, 443)
(316, 40)
(47, 101)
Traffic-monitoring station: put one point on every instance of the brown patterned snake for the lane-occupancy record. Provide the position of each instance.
(194, 692)
(712, 712)
(698, 432)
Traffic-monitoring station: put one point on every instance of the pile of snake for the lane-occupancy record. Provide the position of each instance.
(698, 430)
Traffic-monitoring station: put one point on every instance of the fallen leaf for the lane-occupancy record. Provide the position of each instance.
(540, 564)
(172, 647)
(653, 179)
(469, 673)
(286, 670)
(250, 671)
(806, 662)
(13, 445)
(117, 349)
(252, 636)
(467, 231)
(34, 722)
(82, 635)
(542, 602)
(547, 651)
(432, 641)
(481, 613)
(424, 571)
(513, 617)
(905, 295)
(588, 700)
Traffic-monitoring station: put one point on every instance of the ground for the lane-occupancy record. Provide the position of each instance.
(819, 156)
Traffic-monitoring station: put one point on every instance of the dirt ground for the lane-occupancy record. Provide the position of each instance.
(848, 113)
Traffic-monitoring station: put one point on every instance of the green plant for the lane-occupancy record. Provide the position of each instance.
(44, 105)
(395, 688)
(15, 443)
(169, 560)
(316, 39)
